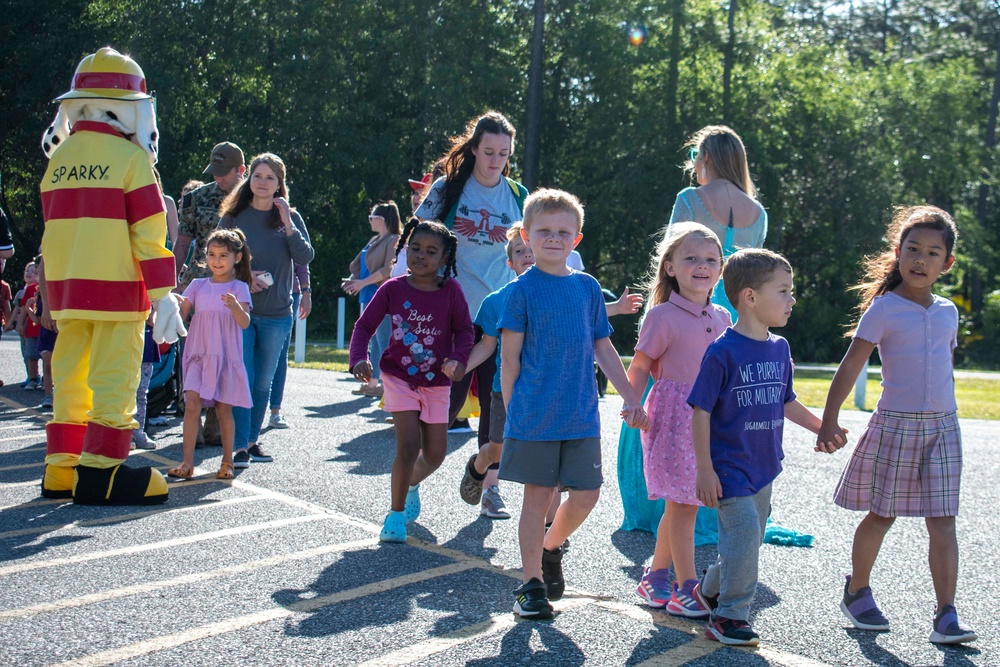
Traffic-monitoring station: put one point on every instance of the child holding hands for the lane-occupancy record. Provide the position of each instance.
(554, 324)
(741, 397)
(908, 461)
(675, 333)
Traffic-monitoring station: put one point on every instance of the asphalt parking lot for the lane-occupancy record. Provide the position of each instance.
(282, 566)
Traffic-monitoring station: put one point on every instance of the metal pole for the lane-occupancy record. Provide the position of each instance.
(860, 385)
(341, 316)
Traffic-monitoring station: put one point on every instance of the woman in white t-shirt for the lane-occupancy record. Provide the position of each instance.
(477, 201)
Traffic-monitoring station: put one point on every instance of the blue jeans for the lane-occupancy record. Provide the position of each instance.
(742, 520)
(262, 344)
(378, 343)
(278, 384)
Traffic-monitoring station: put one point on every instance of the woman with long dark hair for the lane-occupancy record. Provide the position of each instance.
(476, 199)
(259, 208)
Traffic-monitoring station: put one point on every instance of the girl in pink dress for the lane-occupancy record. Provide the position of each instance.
(678, 327)
(214, 373)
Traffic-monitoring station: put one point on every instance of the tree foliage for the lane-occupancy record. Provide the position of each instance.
(845, 114)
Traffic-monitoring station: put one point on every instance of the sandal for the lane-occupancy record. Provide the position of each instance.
(183, 471)
(225, 471)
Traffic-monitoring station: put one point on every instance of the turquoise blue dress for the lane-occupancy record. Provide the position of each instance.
(641, 513)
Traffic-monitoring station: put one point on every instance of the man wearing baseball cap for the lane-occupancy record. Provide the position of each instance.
(198, 213)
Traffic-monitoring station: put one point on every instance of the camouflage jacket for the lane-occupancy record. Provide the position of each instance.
(198, 216)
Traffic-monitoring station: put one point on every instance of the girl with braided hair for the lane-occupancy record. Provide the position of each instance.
(430, 322)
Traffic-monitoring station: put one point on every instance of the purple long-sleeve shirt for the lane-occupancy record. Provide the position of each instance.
(427, 327)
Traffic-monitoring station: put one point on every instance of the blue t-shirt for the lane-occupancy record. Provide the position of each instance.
(488, 318)
(744, 384)
(555, 394)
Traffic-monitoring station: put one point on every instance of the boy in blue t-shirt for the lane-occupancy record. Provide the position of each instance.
(741, 398)
(481, 470)
(554, 325)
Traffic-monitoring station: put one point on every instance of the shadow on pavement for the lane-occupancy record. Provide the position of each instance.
(953, 656)
(516, 649)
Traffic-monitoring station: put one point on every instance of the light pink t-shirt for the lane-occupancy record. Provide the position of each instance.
(676, 334)
(916, 346)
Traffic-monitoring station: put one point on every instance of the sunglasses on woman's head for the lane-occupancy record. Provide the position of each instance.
(693, 153)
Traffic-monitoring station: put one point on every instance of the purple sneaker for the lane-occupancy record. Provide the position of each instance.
(862, 610)
(654, 588)
(949, 629)
(684, 603)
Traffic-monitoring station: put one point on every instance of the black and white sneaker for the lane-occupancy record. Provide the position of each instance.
(258, 455)
(241, 459)
(552, 573)
(531, 601)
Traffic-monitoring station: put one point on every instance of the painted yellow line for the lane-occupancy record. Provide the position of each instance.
(153, 586)
(117, 518)
(434, 645)
(165, 544)
(18, 407)
(681, 655)
(699, 646)
(783, 659)
(144, 648)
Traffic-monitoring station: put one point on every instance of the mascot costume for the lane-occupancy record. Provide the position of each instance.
(105, 260)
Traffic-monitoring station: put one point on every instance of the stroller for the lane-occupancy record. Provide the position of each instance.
(165, 385)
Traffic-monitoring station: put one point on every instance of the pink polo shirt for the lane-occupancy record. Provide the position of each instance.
(676, 334)
(916, 346)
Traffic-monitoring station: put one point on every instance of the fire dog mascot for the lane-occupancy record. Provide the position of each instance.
(105, 259)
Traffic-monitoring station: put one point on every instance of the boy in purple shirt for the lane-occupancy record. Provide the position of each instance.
(741, 398)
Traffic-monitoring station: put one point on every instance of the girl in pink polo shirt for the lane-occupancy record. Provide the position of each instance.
(908, 461)
(681, 323)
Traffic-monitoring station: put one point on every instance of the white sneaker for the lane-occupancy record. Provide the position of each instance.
(277, 421)
(493, 506)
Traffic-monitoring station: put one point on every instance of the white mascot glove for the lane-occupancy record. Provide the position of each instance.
(168, 325)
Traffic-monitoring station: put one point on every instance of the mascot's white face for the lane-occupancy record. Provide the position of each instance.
(135, 119)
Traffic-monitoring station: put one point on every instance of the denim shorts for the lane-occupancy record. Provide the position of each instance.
(29, 349)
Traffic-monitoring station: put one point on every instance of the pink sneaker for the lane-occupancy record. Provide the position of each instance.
(654, 588)
(684, 603)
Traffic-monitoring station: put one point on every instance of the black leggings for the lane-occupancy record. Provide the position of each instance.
(460, 391)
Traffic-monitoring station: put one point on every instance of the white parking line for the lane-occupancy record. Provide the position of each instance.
(149, 646)
(153, 586)
(165, 544)
(116, 518)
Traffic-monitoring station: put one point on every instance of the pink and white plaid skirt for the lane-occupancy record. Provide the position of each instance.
(905, 464)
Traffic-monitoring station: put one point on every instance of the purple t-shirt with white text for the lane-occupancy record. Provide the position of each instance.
(745, 383)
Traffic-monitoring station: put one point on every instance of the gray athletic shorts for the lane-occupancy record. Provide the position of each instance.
(498, 417)
(573, 464)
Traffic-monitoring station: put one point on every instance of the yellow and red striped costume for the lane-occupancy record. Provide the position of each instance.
(105, 258)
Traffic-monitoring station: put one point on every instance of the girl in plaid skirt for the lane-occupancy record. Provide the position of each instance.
(908, 461)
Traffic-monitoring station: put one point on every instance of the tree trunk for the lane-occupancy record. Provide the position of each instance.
(976, 289)
(727, 66)
(533, 112)
(677, 18)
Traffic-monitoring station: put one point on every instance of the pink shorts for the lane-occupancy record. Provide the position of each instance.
(430, 402)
